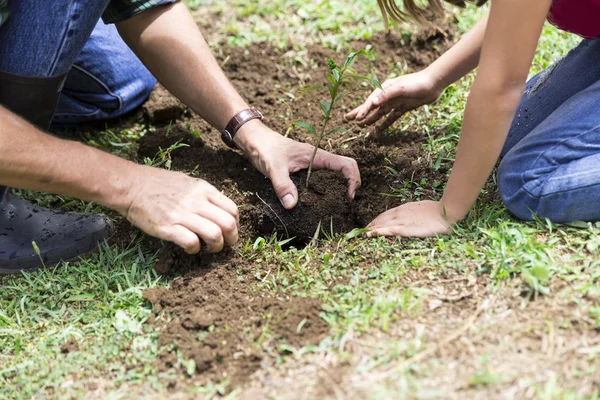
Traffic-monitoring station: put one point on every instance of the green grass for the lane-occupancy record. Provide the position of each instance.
(367, 285)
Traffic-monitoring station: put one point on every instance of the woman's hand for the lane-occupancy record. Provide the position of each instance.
(420, 219)
(399, 96)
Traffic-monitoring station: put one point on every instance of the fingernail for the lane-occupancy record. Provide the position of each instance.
(369, 234)
(378, 100)
(288, 201)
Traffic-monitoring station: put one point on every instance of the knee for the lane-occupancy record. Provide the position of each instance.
(513, 190)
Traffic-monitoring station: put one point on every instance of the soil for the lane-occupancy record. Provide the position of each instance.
(222, 319)
(162, 107)
(69, 346)
(216, 312)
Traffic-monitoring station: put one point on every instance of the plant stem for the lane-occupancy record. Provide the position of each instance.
(314, 154)
(327, 117)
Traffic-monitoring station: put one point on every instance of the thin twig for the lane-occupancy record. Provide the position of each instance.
(273, 211)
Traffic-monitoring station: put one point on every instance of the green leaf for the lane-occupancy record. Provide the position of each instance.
(336, 74)
(336, 130)
(82, 297)
(356, 232)
(339, 98)
(376, 83)
(578, 224)
(331, 90)
(331, 79)
(352, 56)
(325, 106)
(306, 126)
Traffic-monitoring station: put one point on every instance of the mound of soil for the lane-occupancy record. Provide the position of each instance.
(325, 203)
(223, 321)
(162, 107)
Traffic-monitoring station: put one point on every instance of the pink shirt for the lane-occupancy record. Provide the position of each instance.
(581, 17)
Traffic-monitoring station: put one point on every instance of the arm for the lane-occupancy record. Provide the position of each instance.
(169, 42)
(462, 58)
(32, 159)
(165, 204)
(409, 92)
(510, 41)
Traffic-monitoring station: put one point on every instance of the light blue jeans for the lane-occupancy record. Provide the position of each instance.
(551, 159)
(45, 38)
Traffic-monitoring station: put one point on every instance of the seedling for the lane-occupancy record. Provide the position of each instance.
(340, 81)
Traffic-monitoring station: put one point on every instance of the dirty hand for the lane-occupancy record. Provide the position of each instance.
(175, 207)
(420, 219)
(399, 96)
(277, 157)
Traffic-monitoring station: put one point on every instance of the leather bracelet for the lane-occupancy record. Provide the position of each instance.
(236, 123)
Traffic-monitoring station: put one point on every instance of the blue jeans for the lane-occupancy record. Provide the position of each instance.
(551, 159)
(44, 38)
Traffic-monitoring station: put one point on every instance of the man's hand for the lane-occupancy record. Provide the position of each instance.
(399, 96)
(421, 219)
(175, 207)
(277, 157)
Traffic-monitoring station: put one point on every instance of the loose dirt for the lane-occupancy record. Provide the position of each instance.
(216, 312)
(223, 321)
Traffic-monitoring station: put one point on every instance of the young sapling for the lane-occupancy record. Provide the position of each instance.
(340, 81)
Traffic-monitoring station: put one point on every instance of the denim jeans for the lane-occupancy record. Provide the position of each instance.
(48, 38)
(551, 159)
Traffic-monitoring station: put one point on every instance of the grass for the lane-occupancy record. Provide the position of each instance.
(378, 294)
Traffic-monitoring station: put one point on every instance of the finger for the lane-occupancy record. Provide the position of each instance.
(207, 230)
(391, 91)
(387, 231)
(391, 118)
(365, 109)
(225, 203)
(374, 116)
(386, 218)
(284, 188)
(224, 220)
(352, 114)
(183, 238)
(346, 165)
(367, 106)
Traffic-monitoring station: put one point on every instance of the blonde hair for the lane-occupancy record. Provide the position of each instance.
(432, 9)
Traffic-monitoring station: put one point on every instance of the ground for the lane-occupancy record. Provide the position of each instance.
(497, 309)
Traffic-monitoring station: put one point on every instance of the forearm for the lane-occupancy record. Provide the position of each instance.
(461, 58)
(487, 120)
(170, 44)
(32, 159)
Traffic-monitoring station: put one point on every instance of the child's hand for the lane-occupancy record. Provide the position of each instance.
(420, 219)
(399, 96)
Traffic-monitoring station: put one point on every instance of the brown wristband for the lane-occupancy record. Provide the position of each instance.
(236, 123)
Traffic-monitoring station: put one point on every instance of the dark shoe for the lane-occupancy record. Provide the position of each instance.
(59, 235)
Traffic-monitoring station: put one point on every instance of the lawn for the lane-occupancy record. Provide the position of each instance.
(497, 309)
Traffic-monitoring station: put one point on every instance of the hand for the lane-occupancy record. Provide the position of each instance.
(277, 157)
(421, 219)
(175, 207)
(399, 96)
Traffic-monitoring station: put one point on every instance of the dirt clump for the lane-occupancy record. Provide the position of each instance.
(217, 316)
(162, 107)
(69, 346)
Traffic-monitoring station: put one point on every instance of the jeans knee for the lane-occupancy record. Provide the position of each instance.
(513, 193)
